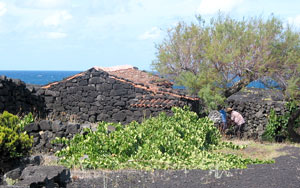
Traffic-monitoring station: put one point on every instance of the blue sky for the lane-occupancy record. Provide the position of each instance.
(80, 34)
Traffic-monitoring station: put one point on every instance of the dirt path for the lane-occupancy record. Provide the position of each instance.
(284, 173)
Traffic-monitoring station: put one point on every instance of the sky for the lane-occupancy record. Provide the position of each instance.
(80, 34)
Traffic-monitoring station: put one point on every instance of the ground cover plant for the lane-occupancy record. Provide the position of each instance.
(181, 141)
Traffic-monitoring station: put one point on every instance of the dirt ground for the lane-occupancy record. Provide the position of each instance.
(285, 172)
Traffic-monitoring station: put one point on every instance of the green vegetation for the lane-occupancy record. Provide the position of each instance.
(207, 58)
(25, 121)
(10, 181)
(277, 125)
(13, 141)
(182, 141)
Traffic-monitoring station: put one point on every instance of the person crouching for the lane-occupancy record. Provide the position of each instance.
(237, 119)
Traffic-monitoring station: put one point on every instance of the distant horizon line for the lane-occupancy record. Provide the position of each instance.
(60, 70)
(43, 70)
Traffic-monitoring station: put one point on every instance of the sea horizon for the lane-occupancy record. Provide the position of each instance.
(44, 77)
(41, 77)
(43, 70)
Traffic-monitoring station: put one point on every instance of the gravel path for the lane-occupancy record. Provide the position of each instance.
(284, 173)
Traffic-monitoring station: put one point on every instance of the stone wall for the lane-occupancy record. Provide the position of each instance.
(91, 97)
(95, 96)
(255, 106)
(45, 131)
(16, 98)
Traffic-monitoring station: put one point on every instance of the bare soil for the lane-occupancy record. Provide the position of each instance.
(284, 173)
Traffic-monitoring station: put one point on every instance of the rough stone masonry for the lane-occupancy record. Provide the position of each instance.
(17, 98)
(255, 105)
(113, 95)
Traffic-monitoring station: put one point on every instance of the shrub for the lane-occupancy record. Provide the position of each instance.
(13, 142)
(277, 124)
(181, 141)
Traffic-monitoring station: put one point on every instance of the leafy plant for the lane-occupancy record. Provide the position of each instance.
(13, 142)
(272, 126)
(25, 121)
(11, 181)
(181, 141)
(277, 125)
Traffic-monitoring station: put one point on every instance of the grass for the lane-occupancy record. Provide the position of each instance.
(50, 160)
(258, 150)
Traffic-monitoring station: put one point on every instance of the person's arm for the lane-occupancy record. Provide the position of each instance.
(232, 116)
(240, 119)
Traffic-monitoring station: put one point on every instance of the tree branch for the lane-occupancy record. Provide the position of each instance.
(237, 87)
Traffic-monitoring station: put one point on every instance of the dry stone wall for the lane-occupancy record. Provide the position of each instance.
(96, 96)
(45, 131)
(17, 98)
(255, 106)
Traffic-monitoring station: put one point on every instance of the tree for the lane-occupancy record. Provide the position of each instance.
(219, 58)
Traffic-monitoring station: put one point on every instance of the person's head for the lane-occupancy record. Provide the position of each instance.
(229, 110)
(219, 107)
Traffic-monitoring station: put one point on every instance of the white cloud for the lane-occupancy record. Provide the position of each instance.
(55, 35)
(212, 6)
(57, 18)
(44, 4)
(295, 21)
(151, 34)
(3, 8)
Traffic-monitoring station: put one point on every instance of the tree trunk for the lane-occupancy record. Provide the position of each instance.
(292, 120)
(237, 87)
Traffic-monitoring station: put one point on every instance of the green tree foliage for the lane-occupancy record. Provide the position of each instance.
(13, 141)
(182, 141)
(207, 57)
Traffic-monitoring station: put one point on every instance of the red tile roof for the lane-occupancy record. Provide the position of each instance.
(155, 103)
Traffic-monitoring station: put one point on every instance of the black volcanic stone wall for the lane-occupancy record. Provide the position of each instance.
(16, 98)
(255, 106)
(45, 131)
(96, 96)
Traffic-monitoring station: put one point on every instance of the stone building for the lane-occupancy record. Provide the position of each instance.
(114, 94)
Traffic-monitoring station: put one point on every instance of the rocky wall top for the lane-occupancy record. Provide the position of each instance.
(16, 98)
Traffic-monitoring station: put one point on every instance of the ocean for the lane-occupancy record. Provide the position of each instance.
(38, 77)
(45, 77)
